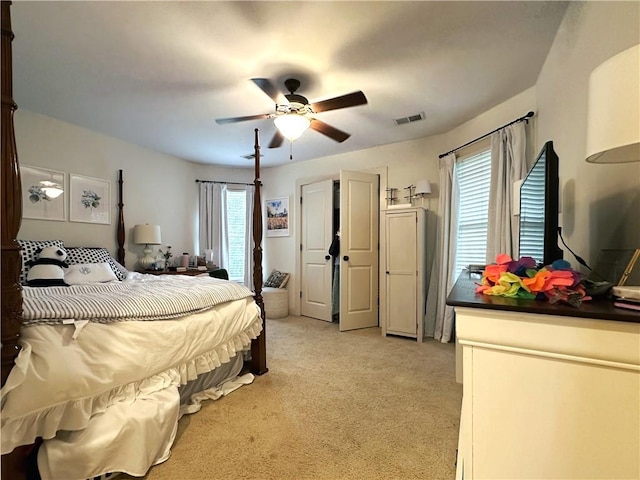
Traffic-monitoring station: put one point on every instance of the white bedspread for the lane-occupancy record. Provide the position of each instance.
(59, 382)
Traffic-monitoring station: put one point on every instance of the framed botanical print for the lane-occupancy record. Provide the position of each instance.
(44, 193)
(278, 217)
(89, 200)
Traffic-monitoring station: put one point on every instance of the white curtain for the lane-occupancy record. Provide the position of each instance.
(508, 164)
(213, 222)
(214, 232)
(440, 316)
(249, 243)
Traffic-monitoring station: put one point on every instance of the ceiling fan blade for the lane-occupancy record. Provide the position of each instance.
(328, 130)
(222, 121)
(270, 89)
(277, 139)
(349, 100)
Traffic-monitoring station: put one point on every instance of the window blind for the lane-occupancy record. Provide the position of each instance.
(532, 207)
(473, 176)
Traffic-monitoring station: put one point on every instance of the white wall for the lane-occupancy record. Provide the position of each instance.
(158, 189)
(600, 203)
(405, 163)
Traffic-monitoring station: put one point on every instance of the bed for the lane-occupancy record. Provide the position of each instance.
(84, 388)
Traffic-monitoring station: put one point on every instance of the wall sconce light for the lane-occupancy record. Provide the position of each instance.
(146, 235)
(613, 119)
(420, 189)
(423, 187)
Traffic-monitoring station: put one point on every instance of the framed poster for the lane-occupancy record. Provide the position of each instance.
(89, 200)
(278, 217)
(44, 193)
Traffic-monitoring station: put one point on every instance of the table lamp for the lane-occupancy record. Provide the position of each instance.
(146, 235)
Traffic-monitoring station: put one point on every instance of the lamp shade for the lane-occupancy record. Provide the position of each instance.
(423, 187)
(613, 119)
(146, 234)
(291, 125)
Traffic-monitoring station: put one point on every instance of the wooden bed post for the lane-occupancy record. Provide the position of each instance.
(11, 210)
(14, 464)
(120, 234)
(258, 346)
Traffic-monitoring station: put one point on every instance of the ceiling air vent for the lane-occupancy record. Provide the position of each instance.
(409, 119)
(251, 156)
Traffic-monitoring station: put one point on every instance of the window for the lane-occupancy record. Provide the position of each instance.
(236, 229)
(473, 177)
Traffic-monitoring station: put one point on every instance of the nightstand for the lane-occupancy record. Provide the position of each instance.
(212, 272)
(190, 272)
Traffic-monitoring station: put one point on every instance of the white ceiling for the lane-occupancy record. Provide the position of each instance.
(157, 74)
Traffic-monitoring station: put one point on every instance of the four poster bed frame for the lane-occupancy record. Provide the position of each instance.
(16, 464)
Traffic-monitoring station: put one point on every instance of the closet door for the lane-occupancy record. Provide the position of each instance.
(401, 273)
(317, 265)
(358, 250)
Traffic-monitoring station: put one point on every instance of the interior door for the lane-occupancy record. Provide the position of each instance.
(358, 250)
(317, 211)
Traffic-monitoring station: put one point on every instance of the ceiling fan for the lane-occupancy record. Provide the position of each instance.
(294, 113)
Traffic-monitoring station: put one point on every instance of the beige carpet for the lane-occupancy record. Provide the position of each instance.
(333, 406)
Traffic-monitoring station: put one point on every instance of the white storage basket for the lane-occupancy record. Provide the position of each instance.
(276, 302)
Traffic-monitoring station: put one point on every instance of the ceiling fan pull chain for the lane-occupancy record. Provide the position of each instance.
(290, 150)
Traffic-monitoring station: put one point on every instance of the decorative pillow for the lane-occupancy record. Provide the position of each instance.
(82, 274)
(83, 255)
(28, 252)
(119, 267)
(277, 279)
(48, 269)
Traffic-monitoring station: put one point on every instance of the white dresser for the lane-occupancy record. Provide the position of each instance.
(550, 391)
(405, 273)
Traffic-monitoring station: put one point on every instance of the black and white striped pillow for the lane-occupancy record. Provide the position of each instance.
(28, 252)
(80, 255)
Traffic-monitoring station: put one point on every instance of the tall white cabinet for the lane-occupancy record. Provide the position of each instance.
(405, 273)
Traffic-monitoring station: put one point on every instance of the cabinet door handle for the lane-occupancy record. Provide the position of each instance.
(346, 258)
(327, 257)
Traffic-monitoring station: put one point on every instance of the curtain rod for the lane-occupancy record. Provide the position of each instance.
(525, 118)
(226, 183)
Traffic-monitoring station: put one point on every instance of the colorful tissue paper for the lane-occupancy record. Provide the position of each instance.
(521, 278)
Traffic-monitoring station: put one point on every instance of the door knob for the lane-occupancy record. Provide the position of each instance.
(346, 258)
(327, 257)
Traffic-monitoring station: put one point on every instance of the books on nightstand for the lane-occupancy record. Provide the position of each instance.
(629, 304)
(626, 297)
(199, 268)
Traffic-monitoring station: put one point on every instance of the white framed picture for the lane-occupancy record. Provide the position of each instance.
(44, 193)
(89, 200)
(278, 217)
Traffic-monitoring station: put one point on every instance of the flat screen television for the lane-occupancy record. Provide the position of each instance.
(539, 205)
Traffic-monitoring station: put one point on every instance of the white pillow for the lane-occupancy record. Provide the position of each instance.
(84, 273)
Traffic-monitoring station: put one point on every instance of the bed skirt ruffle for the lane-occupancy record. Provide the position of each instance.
(76, 414)
(134, 436)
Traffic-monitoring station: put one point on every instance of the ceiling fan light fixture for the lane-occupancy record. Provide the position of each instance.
(291, 125)
(51, 189)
